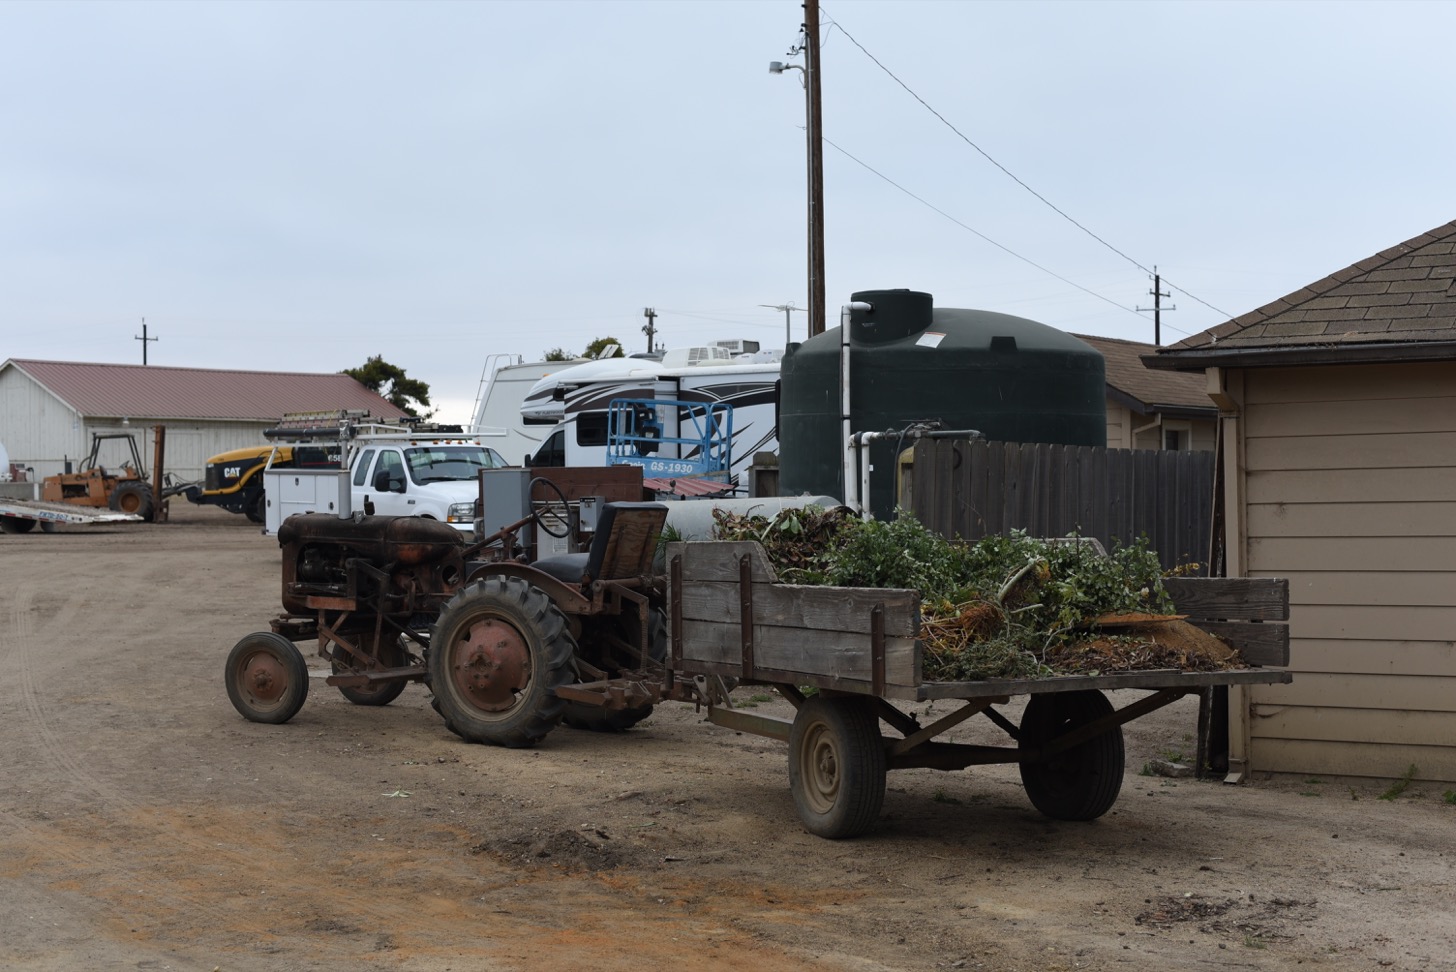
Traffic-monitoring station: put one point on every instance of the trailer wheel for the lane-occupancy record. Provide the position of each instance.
(1080, 783)
(267, 678)
(390, 655)
(133, 497)
(497, 652)
(11, 524)
(596, 718)
(837, 766)
(255, 507)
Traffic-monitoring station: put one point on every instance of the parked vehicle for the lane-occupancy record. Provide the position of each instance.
(417, 469)
(579, 401)
(427, 471)
(498, 420)
(124, 489)
(233, 480)
(23, 516)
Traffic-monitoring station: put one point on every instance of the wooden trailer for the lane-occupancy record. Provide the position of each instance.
(858, 650)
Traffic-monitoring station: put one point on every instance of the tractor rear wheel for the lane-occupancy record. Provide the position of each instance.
(267, 678)
(497, 653)
(133, 497)
(255, 507)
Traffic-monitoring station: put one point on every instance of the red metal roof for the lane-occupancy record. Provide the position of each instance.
(148, 392)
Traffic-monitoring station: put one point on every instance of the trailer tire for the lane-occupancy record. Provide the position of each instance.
(266, 677)
(497, 653)
(383, 693)
(133, 497)
(11, 524)
(837, 766)
(1081, 783)
(596, 718)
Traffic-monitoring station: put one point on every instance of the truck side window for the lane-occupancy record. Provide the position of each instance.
(391, 462)
(361, 468)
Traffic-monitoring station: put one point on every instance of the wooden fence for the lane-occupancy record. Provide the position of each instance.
(977, 488)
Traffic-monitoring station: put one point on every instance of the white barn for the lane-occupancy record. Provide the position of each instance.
(49, 410)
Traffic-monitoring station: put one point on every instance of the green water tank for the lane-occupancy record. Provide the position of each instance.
(1011, 379)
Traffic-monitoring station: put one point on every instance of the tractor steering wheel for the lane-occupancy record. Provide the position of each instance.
(536, 514)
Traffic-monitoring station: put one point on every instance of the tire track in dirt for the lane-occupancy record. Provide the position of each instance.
(114, 850)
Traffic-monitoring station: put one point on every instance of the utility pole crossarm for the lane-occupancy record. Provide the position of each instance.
(145, 340)
(1157, 307)
(650, 328)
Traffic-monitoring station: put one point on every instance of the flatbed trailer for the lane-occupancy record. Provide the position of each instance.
(22, 516)
(845, 656)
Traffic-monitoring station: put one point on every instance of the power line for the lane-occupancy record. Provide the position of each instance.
(1011, 175)
(969, 229)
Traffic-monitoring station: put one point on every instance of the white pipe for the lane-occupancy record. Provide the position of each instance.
(851, 456)
(864, 474)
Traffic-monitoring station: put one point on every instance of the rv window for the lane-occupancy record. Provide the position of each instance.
(552, 451)
(591, 429)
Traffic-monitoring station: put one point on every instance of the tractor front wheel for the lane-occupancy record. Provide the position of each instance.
(267, 678)
(497, 653)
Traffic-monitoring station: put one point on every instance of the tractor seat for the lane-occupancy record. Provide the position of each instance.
(623, 546)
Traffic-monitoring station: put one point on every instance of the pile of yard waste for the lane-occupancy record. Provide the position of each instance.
(1000, 607)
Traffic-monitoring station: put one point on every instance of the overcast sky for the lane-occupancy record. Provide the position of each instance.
(298, 186)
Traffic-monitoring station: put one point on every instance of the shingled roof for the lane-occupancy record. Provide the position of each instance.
(151, 392)
(1399, 304)
(1131, 384)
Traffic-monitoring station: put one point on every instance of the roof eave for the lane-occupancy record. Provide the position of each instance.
(1196, 359)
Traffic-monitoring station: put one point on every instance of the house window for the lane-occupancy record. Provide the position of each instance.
(1177, 436)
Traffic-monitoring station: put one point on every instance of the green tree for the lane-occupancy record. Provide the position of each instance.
(595, 348)
(390, 382)
(558, 354)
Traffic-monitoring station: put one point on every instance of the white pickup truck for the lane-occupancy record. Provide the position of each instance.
(419, 473)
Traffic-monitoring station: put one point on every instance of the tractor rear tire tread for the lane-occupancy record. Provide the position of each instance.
(542, 626)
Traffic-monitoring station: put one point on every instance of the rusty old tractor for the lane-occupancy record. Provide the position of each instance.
(509, 648)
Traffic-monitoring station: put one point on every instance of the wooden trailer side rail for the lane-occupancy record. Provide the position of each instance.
(730, 616)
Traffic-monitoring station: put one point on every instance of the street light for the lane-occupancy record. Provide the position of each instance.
(812, 128)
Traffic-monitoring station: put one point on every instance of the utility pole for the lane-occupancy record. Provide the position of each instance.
(816, 167)
(788, 310)
(650, 328)
(145, 340)
(1157, 307)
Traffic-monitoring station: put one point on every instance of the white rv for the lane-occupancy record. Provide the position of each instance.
(499, 420)
(576, 402)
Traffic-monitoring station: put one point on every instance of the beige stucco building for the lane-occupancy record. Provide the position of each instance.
(1337, 423)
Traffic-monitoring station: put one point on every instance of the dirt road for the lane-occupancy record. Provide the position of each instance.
(144, 824)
